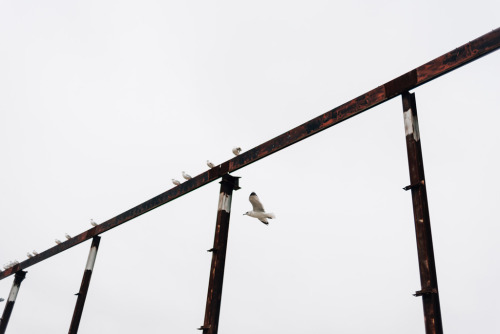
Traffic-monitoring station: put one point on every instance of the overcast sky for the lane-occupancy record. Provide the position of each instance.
(103, 102)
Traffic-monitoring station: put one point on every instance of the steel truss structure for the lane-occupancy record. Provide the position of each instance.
(399, 86)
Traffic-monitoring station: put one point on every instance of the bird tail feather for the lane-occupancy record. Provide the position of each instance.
(271, 215)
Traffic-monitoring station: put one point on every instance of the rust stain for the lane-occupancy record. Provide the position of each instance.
(429, 71)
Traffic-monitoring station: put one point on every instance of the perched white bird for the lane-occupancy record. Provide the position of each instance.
(67, 236)
(93, 223)
(6, 266)
(186, 176)
(258, 210)
(29, 255)
(209, 164)
(58, 241)
(236, 150)
(176, 182)
(11, 264)
(35, 253)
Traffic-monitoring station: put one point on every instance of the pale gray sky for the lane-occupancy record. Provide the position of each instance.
(103, 102)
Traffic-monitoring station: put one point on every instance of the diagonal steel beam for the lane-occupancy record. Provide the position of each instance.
(84, 287)
(9, 306)
(216, 278)
(425, 250)
(435, 68)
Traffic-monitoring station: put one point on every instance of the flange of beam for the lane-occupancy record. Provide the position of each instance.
(435, 68)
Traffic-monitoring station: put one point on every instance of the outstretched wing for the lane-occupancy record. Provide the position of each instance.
(256, 204)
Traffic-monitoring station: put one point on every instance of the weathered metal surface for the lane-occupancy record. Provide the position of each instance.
(429, 71)
(9, 306)
(427, 266)
(214, 295)
(84, 287)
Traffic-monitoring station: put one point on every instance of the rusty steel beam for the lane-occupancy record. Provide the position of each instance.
(84, 287)
(425, 250)
(214, 295)
(435, 68)
(4, 321)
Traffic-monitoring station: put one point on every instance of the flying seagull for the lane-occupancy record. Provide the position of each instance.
(186, 176)
(176, 182)
(236, 150)
(209, 164)
(258, 210)
(93, 223)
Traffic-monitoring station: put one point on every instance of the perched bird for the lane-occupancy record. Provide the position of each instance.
(258, 210)
(176, 182)
(6, 266)
(236, 150)
(10, 264)
(209, 164)
(58, 241)
(29, 255)
(35, 252)
(186, 176)
(93, 223)
(1, 300)
(67, 236)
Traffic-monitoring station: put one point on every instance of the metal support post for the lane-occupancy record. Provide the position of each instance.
(428, 277)
(82, 294)
(212, 310)
(9, 306)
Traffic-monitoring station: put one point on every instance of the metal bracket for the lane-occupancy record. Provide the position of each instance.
(415, 185)
(426, 291)
(202, 328)
(232, 180)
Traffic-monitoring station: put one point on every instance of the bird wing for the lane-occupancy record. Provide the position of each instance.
(256, 204)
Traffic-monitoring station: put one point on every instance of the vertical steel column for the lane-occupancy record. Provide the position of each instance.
(212, 310)
(9, 306)
(428, 277)
(84, 287)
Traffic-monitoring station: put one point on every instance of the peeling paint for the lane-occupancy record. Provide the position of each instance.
(416, 131)
(224, 202)
(411, 124)
(13, 293)
(91, 259)
(408, 122)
